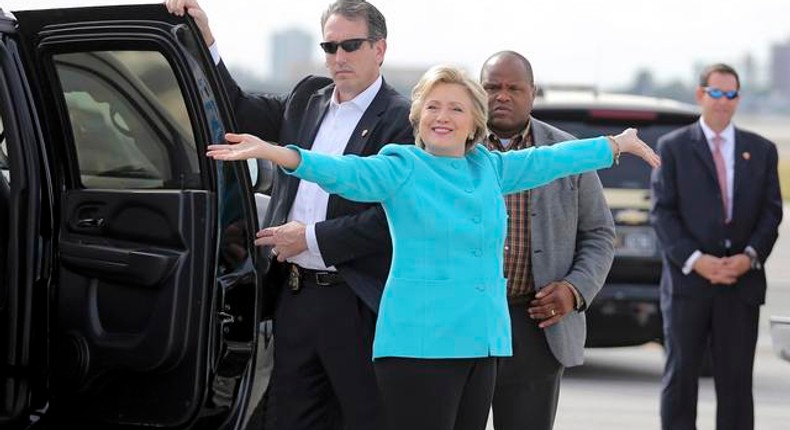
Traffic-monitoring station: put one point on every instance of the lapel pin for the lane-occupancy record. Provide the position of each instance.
(746, 156)
(364, 132)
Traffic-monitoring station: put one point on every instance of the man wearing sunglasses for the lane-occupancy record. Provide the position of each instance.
(333, 255)
(716, 210)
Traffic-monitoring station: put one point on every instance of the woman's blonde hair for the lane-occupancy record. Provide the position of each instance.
(450, 75)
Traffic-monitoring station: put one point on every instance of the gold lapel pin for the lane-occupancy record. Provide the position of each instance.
(746, 156)
(364, 132)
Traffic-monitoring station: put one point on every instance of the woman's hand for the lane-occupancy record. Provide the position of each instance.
(629, 142)
(239, 147)
(245, 146)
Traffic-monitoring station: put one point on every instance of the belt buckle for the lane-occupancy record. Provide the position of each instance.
(319, 279)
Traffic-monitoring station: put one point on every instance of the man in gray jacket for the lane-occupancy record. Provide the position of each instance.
(559, 249)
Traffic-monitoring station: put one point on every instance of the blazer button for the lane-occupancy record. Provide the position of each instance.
(470, 190)
(480, 287)
(476, 220)
(477, 252)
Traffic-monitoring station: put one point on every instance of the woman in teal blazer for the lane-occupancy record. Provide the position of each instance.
(443, 315)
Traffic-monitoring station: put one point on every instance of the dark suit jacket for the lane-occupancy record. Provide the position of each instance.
(355, 236)
(688, 215)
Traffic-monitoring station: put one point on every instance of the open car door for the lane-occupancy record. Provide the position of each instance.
(148, 271)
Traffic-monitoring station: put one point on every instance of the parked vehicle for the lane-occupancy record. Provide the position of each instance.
(128, 277)
(626, 311)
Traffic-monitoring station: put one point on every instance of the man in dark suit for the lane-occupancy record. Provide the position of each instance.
(336, 253)
(716, 209)
(559, 248)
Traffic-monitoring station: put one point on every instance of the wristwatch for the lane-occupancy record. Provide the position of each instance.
(755, 260)
(578, 299)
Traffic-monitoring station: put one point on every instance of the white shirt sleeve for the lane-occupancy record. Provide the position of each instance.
(689, 266)
(312, 241)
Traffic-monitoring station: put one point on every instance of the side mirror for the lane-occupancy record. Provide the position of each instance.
(261, 175)
(261, 178)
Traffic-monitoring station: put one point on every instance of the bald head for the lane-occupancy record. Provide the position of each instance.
(508, 81)
(509, 57)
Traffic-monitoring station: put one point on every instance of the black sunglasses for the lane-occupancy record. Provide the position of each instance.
(349, 45)
(717, 93)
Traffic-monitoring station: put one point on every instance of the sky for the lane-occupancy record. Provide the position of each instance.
(582, 42)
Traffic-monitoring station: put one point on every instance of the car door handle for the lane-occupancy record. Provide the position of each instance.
(90, 223)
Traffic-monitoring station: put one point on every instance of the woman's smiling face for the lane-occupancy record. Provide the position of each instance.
(446, 120)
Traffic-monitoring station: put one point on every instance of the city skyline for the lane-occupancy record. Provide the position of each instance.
(602, 44)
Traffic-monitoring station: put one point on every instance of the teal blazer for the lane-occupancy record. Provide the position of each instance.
(445, 296)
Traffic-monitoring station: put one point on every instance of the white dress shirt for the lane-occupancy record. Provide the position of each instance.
(728, 153)
(311, 201)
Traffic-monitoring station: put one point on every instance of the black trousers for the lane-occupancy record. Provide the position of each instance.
(323, 372)
(731, 325)
(528, 383)
(436, 394)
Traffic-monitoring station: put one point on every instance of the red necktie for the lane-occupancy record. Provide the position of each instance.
(721, 172)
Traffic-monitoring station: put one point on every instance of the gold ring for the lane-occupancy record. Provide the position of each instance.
(553, 313)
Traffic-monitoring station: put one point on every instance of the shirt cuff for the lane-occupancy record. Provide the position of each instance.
(312, 241)
(689, 266)
(215, 53)
(753, 257)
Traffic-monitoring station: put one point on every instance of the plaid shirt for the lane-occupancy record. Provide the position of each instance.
(518, 242)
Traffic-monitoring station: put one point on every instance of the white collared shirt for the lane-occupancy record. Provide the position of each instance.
(333, 136)
(728, 153)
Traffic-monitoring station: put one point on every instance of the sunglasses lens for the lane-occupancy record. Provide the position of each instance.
(717, 93)
(329, 47)
(351, 45)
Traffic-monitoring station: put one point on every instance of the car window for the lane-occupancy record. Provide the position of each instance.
(630, 173)
(130, 125)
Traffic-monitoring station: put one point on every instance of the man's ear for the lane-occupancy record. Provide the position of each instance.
(381, 49)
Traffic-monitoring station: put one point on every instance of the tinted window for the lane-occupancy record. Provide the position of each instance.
(131, 129)
(631, 173)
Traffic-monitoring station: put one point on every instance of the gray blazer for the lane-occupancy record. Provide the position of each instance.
(572, 239)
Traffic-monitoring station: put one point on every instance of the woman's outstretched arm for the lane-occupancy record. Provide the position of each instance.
(245, 146)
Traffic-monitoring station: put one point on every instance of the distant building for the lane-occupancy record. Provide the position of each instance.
(780, 70)
(292, 53)
(749, 72)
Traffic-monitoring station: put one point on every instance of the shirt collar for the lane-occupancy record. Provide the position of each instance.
(492, 137)
(363, 100)
(728, 134)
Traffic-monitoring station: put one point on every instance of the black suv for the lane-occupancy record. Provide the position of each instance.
(128, 278)
(626, 311)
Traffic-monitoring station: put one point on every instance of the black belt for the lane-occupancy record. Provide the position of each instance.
(321, 278)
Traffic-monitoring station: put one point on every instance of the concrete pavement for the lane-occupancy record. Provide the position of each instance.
(618, 388)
